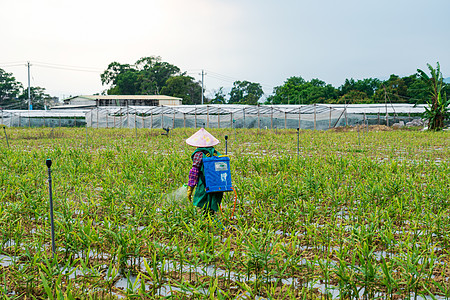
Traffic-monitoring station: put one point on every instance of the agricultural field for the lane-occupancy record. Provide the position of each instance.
(318, 215)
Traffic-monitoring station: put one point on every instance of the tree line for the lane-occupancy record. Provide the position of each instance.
(152, 76)
(13, 95)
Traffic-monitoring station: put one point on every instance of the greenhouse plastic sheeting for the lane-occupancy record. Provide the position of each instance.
(320, 117)
(43, 118)
(214, 116)
(317, 116)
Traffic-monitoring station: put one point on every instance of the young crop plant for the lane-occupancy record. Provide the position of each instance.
(341, 218)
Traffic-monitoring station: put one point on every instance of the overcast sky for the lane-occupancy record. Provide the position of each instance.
(70, 43)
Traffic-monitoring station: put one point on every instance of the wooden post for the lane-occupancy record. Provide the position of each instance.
(207, 116)
(299, 117)
(173, 121)
(128, 117)
(364, 121)
(259, 121)
(195, 117)
(271, 118)
(184, 120)
(218, 117)
(97, 117)
(329, 123)
(314, 116)
(345, 112)
(231, 120)
(285, 120)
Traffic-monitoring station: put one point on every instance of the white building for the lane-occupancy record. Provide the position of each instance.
(91, 101)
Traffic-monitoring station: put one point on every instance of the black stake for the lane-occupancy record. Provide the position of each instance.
(4, 129)
(48, 162)
(226, 145)
(298, 142)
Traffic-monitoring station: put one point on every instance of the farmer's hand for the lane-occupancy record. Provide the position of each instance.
(190, 189)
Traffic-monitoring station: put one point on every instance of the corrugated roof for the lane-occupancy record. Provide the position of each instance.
(130, 97)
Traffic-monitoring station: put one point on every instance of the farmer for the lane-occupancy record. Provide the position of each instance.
(205, 143)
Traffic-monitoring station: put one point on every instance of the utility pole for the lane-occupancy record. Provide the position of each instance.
(203, 74)
(30, 107)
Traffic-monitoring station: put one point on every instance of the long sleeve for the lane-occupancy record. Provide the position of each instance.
(194, 172)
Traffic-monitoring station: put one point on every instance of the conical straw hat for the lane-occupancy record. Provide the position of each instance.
(202, 138)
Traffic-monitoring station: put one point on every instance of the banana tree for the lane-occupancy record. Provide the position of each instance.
(437, 111)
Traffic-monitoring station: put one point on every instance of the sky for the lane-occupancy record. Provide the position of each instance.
(70, 43)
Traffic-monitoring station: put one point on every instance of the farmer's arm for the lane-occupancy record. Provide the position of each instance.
(195, 170)
(193, 173)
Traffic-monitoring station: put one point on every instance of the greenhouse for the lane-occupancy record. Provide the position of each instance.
(316, 116)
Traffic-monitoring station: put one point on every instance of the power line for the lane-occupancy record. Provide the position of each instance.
(12, 65)
(67, 68)
(53, 66)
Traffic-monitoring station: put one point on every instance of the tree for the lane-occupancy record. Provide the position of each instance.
(183, 87)
(296, 90)
(9, 91)
(352, 97)
(417, 90)
(145, 77)
(245, 92)
(437, 111)
(39, 98)
(112, 72)
(367, 86)
(219, 97)
(394, 89)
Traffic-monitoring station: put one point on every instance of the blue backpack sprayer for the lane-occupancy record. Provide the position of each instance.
(218, 175)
